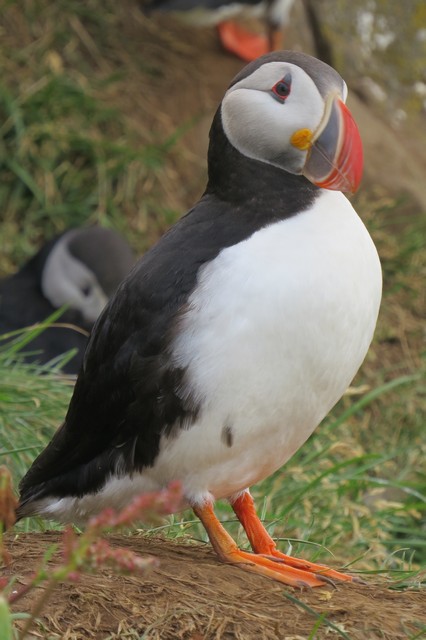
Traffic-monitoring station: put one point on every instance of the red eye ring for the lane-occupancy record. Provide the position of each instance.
(281, 90)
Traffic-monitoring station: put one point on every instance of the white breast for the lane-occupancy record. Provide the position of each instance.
(275, 331)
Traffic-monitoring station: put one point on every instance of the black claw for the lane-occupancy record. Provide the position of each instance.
(321, 576)
(273, 558)
(302, 585)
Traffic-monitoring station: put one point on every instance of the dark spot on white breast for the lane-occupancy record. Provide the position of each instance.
(227, 436)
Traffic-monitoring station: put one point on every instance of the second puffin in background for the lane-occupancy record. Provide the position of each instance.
(227, 15)
(81, 269)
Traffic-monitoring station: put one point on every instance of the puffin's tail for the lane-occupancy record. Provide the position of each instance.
(26, 506)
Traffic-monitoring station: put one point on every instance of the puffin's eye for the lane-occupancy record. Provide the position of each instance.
(87, 290)
(281, 90)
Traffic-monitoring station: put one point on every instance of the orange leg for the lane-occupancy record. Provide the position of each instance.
(262, 543)
(268, 566)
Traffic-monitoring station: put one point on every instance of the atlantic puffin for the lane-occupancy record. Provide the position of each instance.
(245, 44)
(80, 268)
(235, 335)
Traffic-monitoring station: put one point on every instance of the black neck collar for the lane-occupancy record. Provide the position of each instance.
(248, 183)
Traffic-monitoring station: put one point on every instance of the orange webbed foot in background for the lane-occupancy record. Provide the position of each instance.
(247, 45)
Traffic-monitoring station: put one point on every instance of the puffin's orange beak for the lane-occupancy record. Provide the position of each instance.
(335, 156)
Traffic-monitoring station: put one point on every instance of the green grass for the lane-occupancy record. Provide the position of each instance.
(68, 157)
(55, 175)
(33, 401)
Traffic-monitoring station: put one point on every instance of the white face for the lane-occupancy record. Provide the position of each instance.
(260, 126)
(66, 280)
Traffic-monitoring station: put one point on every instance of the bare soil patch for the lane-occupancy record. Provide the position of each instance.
(192, 596)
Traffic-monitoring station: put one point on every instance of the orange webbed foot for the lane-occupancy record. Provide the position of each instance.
(246, 45)
(262, 543)
(319, 570)
(266, 559)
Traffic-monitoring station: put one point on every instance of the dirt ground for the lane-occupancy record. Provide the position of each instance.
(191, 596)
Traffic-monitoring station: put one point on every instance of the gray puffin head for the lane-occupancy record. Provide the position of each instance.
(288, 109)
(84, 268)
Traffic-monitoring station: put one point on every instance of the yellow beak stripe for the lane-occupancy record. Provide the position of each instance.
(302, 139)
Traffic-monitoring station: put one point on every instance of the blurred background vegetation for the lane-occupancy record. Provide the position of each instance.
(104, 118)
(384, 42)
